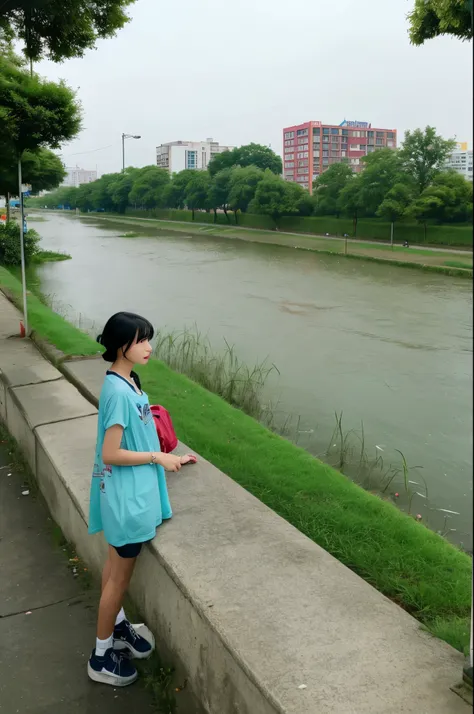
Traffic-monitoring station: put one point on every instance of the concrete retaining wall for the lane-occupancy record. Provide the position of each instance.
(262, 620)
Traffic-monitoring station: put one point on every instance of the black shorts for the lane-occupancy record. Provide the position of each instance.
(130, 550)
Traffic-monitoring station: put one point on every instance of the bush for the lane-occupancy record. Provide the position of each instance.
(10, 252)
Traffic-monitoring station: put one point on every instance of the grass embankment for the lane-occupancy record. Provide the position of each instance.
(413, 566)
(439, 261)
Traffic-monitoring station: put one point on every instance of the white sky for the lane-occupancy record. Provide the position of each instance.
(241, 71)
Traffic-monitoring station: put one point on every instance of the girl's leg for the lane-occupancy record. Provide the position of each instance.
(106, 572)
(114, 588)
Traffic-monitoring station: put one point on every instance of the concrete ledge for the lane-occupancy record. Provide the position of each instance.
(250, 607)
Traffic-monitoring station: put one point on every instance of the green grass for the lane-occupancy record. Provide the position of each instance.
(49, 256)
(410, 564)
(458, 264)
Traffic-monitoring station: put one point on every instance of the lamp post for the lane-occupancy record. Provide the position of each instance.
(126, 136)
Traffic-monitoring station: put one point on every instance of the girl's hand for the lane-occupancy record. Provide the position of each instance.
(170, 462)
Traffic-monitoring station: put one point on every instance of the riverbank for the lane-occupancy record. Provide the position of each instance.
(442, 261)
(403, 559)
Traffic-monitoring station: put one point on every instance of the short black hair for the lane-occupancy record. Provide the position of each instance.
(121, 330)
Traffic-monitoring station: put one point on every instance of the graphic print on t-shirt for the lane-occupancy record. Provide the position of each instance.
(144, 412)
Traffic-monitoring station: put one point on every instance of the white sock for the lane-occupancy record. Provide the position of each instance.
(101, 646)
(120, 617)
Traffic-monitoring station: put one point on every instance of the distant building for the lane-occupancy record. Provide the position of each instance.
(461, 160)
(76, 177)
(311, 148)
(179, 155)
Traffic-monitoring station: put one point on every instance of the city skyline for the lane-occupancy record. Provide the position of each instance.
(362, 65)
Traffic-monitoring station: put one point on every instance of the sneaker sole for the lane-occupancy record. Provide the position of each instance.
(119, 646)
(110, 679)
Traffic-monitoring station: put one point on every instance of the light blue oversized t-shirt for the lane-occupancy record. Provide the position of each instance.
(127, 502)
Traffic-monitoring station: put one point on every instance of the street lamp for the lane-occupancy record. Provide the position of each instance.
(126, 136)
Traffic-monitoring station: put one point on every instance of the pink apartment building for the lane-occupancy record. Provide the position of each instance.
(310, 148)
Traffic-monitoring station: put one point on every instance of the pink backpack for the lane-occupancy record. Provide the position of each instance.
(164, 428)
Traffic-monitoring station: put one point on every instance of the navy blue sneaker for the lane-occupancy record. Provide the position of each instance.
(113, 668)
(127, 638)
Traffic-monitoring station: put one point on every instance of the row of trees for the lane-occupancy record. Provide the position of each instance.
(236, 188)
(410, 183)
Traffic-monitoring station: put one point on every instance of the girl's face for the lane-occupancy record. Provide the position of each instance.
(139, 352)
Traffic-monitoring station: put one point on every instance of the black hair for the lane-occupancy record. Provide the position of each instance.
(121, 330)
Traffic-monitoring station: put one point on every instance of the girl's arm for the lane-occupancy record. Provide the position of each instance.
(113, 455)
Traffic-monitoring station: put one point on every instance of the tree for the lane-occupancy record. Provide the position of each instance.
(327, 189)
(382, 171)
(423, 154)
(197, 192)
(120, 187)
(431, 18)
(276, 198)
(248, 155)
(425, 208)
(42, 169)
(34, 113)
(84, 197)
(458, 206)
(219, 192)
(447, 200)
(148, 187)
(350, 202)
(174, 194)
(243, 185)
(395, 204)
(60, 30)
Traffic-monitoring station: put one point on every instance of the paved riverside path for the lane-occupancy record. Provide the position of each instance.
(299, 632)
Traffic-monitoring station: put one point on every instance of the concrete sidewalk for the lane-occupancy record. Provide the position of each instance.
(47, 617)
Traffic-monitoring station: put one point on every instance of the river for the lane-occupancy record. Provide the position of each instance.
(387, 346)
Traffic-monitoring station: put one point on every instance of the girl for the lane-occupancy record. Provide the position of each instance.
(129, 497)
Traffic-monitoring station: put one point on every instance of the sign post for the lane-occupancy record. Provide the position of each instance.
(22, 249)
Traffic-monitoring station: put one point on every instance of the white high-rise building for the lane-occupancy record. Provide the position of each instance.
(76, 177)
(179, 155)
(461, 161)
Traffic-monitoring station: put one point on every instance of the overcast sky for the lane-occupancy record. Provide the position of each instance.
(241, 71)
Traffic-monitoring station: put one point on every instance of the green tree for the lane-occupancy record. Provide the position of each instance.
(219, 192)
(350, 202)
(395, 205)
(99, 194)
(174, 194)
(431, 18)
(382, 171)
(59, 30)
(243, 185)
(148, 187)
(426, 207)
(327, 189)
(197, 192)
(119, 188)
(447, 200)
(276, 198)
(42, 169)
(34, 113)
(84, 199)
(458, 208)
(423, 154)
(248, 155)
